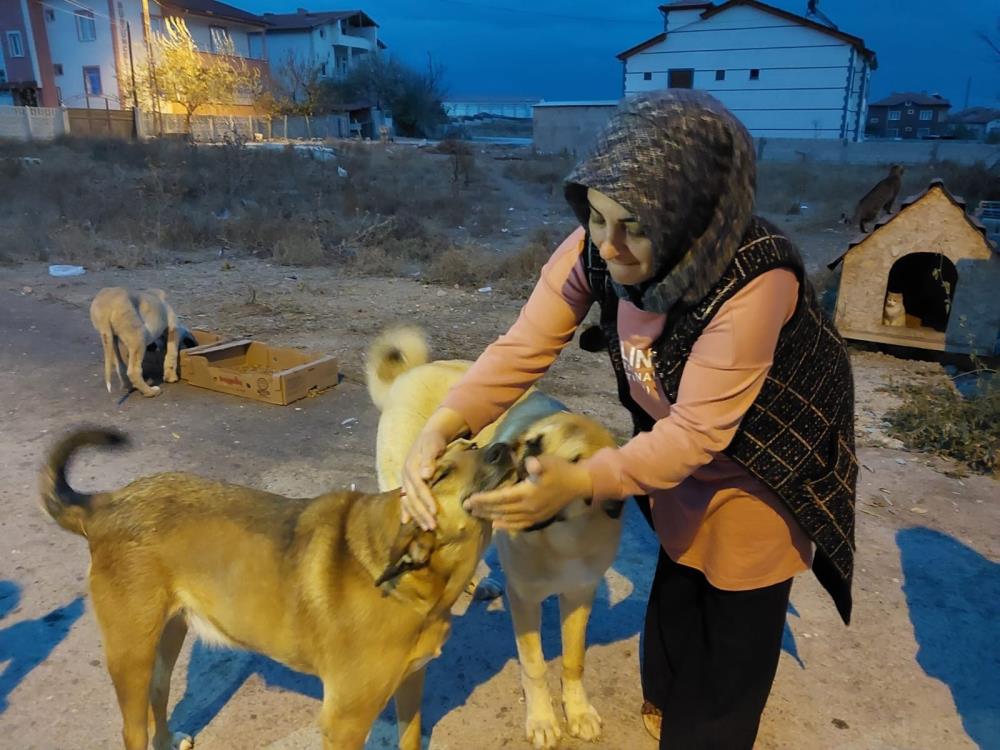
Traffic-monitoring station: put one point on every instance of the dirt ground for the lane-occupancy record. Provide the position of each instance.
(919, 667)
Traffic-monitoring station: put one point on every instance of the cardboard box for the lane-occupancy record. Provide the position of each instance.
(152, 359)
(250, 369)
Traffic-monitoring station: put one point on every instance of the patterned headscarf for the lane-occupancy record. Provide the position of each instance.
(684, 166)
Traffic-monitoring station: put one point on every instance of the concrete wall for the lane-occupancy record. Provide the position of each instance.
(572, 128)
(32, 123)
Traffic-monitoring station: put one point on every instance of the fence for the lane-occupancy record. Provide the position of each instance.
(101, 123)
(208, 128)
(32, 123)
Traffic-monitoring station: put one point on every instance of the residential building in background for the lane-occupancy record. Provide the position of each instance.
(908, 115)
(330, 42)
(783, 75)
(977, 123)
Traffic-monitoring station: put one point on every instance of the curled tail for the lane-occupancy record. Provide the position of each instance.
(391, 354)
(68, 507)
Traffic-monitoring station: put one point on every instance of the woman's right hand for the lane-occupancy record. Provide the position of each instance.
(417, 501)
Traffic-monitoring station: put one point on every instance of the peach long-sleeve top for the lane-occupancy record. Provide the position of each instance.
(709, 513)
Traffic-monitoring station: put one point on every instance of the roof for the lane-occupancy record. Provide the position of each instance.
(307, 20)
(581, 103)
(641, 46)
(713, 10)
(937, 182)
(215, 9)
(921, 99)
(683, 5)
(975, 116)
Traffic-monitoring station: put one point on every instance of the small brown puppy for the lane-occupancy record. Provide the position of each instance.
(332, 585)
(134, 320)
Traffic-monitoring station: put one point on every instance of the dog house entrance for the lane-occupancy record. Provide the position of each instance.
(927, 282)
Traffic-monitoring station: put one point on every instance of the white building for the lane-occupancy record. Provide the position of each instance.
(784, 75)
(328, 41)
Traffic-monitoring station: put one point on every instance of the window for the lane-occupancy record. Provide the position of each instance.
(893, 132)
(720, 75)
(92, 80)
(322, 69)
(57, 69)
(156, 25)
(907, 129)
(894, 114)
(680, 78)
(873, 119)
(86, 28)
(322, 33)
(926, 114)
(50, 15)
(754, 74)
(255, 45)
(220, 38)
(909, 111)
(14, 46)
(923, 132)
(647, 76)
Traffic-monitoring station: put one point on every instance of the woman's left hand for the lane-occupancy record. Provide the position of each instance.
(552, 484)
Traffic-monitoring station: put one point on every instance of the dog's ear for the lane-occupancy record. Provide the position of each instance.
(593, 339)
(411, 551)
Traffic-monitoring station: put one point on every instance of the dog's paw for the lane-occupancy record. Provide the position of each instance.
(170, 377)
(584, 722)
(154, 390)
(543, 730)
(487, 590)
(582, 719)
(182, 742)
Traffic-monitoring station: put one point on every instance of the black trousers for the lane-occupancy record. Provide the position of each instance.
(709, 657)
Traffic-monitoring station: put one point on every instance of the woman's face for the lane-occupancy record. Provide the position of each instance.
(621, 240)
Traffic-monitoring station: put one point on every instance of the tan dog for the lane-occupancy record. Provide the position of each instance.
(134, 320)
(566, 556)
(332, 585)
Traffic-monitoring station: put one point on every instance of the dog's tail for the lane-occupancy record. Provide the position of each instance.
(391, 354)
(68, 507)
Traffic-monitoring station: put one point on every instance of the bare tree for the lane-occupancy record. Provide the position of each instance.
(298, 86)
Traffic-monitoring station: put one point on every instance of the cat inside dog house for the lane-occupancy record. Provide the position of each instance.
(925, 277)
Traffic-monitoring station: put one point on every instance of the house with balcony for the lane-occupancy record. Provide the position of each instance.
(908, 115)
(330, 42)
(25, 76)
(783, 74)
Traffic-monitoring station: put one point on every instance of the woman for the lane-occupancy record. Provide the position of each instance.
(740, 391)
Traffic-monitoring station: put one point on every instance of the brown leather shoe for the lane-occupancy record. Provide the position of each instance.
(652, 718)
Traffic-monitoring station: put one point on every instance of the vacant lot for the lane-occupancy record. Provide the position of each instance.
(282, 246)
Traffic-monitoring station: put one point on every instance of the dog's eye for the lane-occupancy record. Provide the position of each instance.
(443, 474)
(576, 459)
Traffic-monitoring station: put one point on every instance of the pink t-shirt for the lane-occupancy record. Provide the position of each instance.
(709, 513)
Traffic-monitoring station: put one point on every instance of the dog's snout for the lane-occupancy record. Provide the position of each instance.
(497, 453)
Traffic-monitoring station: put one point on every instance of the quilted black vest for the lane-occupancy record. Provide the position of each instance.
(798, 435)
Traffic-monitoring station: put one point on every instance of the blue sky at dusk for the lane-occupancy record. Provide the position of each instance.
(555, 49)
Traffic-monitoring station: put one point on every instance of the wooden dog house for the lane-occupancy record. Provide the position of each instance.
(940, 259)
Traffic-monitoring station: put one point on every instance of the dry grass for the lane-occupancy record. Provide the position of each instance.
(938, 419)
(829, 190)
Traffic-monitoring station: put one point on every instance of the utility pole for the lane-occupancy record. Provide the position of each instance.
(968, 88)
(147, 32)
(131, 65)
